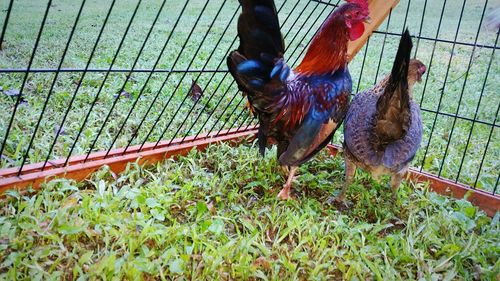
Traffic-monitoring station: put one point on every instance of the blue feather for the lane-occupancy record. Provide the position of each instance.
(284, 74)
(276, 69)
(250, 67)
(257, 83)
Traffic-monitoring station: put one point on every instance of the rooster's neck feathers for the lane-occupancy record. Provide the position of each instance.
(328, 50)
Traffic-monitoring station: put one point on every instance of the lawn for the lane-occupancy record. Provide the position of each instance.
(215, 215)
(124, 111)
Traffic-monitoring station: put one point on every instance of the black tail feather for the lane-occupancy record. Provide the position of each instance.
(399, 71)
(261, 46)
(393, 107)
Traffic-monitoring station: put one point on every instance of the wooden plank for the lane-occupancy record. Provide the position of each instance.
(487, 202)
(379, 10)
(80, 170)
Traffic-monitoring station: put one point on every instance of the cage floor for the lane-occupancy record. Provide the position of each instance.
(215, 215)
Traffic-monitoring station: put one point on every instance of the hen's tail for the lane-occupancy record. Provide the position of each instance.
(257, 65)
(393, 107)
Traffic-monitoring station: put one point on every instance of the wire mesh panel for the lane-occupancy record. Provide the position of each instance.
(83, 76)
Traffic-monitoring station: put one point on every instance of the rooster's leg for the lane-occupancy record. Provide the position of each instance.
(285, 192)
(350, 170)
(286, 170)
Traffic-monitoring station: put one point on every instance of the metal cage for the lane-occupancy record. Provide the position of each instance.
(78, 77)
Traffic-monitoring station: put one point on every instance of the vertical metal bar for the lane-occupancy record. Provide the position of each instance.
(420, 29)
(362, 65)
(432, 54)
(303, 23)
(250, 123)
(242, 98)
(486, 148)
(165, 81)
(463, 88)
(184, 75)
(310, 39)
(199, 75)
(242, 112)
(6, 21)
(127, 79)
(383, 47)
(154, 67)
(406, 16)
(70, 105)
(444, 85)
(18, 100)
(429, 68)
(247, 116)
(104, 81)
(306, 33)
(52, 87)
(477, 108)
(496, 185)
(222, 97)
(227, 106)
(229, 117)
(289, 13)
(178, 129)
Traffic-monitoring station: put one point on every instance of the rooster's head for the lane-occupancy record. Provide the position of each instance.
(356, 13)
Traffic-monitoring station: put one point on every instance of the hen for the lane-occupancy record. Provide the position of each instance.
(383, 126)
(298, 109)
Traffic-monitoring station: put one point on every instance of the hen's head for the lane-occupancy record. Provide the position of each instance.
(415, 71)
(355, 14)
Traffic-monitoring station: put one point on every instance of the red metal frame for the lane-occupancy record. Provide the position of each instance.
(486, 201)
(117, 160)
(78, 170)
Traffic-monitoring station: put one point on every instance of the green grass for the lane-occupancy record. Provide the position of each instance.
(27, 15)
(215, 215)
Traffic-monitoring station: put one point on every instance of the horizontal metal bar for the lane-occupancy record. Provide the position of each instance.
(441, 40)
(50, 70)
(326, 3)
(461, 117)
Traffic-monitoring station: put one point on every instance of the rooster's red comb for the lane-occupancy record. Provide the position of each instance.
(362, 3)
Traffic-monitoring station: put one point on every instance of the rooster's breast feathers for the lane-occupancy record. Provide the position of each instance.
(311, 111)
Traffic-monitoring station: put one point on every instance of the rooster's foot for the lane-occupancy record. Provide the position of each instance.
(339, 202)
(284, 193)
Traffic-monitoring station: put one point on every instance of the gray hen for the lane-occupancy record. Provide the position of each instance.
(383, 126)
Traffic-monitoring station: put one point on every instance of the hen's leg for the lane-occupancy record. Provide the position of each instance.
(396, 180)
(350, 171)
(285, 192)
(285, 169)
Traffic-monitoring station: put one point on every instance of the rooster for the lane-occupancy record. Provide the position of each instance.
(297, 109)
(383, 126)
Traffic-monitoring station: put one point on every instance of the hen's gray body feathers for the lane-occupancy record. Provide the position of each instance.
(359, 125)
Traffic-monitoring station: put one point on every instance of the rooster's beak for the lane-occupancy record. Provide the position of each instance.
(368, 19)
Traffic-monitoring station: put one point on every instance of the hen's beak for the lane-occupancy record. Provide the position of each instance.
(368, 19)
